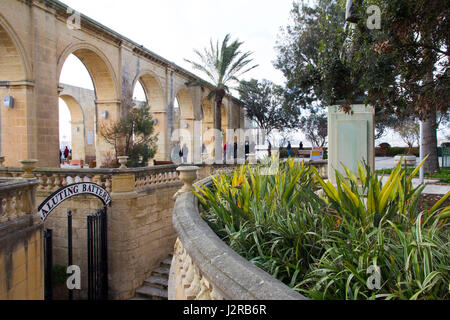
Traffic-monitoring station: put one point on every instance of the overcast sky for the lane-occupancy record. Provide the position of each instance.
(173, 28)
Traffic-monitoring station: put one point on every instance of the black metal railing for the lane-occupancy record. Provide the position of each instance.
(97, 256)
(48, 263)
(69, 247)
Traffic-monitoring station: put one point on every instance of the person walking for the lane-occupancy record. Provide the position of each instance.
(180, 154)
(185, 152)
(66, 153)
(247, 149)
(225, 152)
(269, 150)
(289, 149)
(301, 145)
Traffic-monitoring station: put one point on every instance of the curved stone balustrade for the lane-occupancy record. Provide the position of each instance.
(204, 267)
(155, 176)
(17, 198)
(51, 179)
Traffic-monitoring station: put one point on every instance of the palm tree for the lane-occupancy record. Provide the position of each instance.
(223, 66)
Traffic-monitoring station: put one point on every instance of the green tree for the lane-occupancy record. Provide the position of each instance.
(132, 136)
(409, 131)
(263, 102)
(400, 69)
(315, 128)
(223, 66)
(404, 66)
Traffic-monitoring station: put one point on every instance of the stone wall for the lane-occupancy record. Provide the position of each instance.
(140, 230)
(140, 236)
(21, 243)
(205, 268)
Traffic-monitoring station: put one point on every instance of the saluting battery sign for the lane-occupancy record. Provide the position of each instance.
(69, 191)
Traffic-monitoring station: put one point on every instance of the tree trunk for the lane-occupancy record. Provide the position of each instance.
(218, 127)
(430, 143)
(218, 115)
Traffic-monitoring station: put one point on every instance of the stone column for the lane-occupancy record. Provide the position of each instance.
(108, 111)
(122, 259)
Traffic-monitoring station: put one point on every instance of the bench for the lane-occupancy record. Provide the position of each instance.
(77, 163)
(161, 163)
(304, 153)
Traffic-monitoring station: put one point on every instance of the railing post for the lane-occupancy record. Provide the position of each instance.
(123, 161)
(28, 166)
(188, 175)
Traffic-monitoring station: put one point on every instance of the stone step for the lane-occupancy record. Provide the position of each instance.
(157, 282)
(151, 293)
(167, 262)
(140, 298)
(162, 271)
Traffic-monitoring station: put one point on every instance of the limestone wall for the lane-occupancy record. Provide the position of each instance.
(21, 243)
(140, 229)
(205, 268)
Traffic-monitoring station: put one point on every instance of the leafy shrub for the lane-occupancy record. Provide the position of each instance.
(395, 151)
(59, 274)
(443, 175)
(283, 153)
(322, 246)
(132, 136)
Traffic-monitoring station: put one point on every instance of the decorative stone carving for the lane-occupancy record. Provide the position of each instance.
(123, 161)
(188, 175)
(190, 283)
(28, 166)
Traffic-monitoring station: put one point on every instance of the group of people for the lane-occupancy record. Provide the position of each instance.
(289, 147)
(183, 151)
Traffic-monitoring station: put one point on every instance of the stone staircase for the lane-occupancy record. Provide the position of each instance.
(155, 287)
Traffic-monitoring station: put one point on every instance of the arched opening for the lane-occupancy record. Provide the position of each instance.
(14, 125)
(72, 134)
(148, 90)
(184, 124)
(139, 95)
(147, 86)
(84, 67)
(75, 82)
(12, 65)
(207, 129)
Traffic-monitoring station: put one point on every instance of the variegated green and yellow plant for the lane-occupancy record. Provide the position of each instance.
(323, 245)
